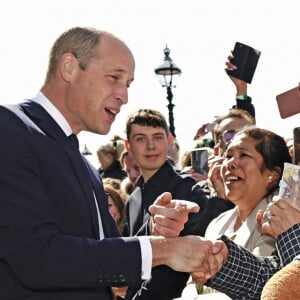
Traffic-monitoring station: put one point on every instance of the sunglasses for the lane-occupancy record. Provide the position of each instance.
(227, 136)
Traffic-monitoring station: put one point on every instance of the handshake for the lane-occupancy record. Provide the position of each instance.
(192, 254)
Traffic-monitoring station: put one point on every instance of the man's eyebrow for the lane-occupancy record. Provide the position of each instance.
(144, 134)
(118, 70)
(137, 134)
(121, 71)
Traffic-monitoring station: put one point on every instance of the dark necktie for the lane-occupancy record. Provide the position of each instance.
(74, 140)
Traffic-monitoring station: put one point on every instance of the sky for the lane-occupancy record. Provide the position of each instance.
(200, 35)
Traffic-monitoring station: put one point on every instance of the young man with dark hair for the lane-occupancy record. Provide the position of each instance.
(149, 140)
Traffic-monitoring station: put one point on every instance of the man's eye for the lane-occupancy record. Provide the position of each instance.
(157, 138)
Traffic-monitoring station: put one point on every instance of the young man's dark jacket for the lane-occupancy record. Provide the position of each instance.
(165, 283)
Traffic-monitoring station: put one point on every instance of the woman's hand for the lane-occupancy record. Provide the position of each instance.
(278, 218)
(215, 178)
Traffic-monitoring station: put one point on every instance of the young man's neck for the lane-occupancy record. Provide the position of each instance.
(147, 174)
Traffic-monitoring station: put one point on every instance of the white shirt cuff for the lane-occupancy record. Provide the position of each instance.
(146, 253)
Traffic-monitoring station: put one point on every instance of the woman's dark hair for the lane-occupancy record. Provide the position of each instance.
(271, 146)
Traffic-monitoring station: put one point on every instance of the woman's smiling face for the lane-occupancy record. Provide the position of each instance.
(243, 172)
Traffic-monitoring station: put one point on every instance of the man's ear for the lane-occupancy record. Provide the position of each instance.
(127, 145)
(67, 65)
(170, 139)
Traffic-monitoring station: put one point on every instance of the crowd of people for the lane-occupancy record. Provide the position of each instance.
(145, 224)
(227, 207)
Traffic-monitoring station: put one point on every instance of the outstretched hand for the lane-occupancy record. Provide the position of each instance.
(168, 216)
(191, 254)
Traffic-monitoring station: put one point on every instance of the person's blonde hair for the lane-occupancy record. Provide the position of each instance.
(115, 148)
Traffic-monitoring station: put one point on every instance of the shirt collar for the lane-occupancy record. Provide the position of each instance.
(42, 100)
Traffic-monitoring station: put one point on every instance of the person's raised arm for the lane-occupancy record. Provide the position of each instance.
(243, 101)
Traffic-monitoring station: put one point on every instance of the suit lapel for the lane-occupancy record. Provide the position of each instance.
(108, 223)
(135, 209)
(44, 121)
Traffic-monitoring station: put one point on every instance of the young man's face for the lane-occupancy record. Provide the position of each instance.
(149, 146)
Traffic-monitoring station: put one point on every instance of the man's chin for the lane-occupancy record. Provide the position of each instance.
(102, 131)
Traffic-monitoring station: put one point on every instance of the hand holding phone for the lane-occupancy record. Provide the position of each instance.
(245, 58)
(200, 160)
(296, 138)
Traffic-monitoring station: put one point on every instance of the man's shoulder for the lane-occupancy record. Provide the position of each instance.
(12, 117)
(9, 110)
(16, 117)
(186, 178)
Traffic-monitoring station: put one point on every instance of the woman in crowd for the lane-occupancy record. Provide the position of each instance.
(116, 204)
(250, 173)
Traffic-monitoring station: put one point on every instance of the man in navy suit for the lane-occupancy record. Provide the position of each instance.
(57, 238)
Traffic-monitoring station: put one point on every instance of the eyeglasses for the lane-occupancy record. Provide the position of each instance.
(227, 136)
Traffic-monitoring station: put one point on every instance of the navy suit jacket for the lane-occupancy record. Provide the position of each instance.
(49, 232)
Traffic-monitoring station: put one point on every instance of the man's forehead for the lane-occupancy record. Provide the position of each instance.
(116, 55)
(146, 130)
(232, 123)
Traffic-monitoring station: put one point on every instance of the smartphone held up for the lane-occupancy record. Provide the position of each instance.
(245, 58)
(199, 158)
(289, 102)
(296, 141)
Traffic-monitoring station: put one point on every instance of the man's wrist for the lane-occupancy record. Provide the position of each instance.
(159, 253)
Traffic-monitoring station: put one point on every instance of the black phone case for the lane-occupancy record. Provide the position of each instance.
(296, 136)
(245, 58)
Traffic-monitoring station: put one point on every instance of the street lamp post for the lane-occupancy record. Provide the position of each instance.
(86, 151)
(167, 72)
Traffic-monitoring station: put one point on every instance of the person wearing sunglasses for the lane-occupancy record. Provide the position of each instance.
(227, 126)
